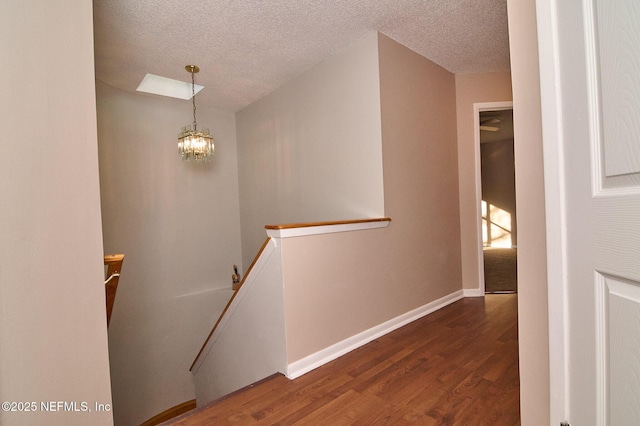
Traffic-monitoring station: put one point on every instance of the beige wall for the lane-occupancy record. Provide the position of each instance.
(336, 286)
(53, 336)
(420, 174)
(470, 89)
(178, 225)
(311, 150)
(533, 329)
(377, 275)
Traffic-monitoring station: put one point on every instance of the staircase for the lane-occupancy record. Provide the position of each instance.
(249, 341)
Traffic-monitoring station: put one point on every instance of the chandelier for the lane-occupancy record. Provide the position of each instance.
(195, 144)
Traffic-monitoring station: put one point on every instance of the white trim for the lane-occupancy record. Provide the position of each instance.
(602, 326)
(472, 292)
(315, 360)
(555, 209)
(325, 229)
(593, 93)
(477, 109)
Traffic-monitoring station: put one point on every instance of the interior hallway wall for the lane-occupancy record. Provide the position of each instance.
(311, 150)
(178, 225)
(385, 273)
(533, 325)
(53, 335)
(420, 175)
(470, 89)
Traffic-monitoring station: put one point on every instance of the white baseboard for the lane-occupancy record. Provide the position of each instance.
(472, 292)
(315, 360)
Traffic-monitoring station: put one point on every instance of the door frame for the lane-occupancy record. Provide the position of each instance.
(554, 176)
(477, 109)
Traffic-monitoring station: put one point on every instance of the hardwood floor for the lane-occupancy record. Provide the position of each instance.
(457, 366)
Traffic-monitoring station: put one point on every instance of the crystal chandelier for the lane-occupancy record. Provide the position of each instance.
(194, 144)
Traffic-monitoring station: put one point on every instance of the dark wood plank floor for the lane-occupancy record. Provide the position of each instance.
(457, 366)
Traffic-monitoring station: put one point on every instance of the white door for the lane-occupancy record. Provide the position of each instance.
(590, 85)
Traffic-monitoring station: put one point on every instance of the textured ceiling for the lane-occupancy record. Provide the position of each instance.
(247, 48)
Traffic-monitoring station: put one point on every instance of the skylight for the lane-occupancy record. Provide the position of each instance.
(167, 87)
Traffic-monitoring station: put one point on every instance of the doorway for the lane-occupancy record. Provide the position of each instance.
(496, 200)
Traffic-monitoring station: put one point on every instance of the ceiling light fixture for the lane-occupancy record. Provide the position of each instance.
(194, 144)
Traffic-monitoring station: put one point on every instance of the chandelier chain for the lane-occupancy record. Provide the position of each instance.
(193, 98)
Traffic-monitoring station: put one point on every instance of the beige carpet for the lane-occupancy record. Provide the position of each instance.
(500, 270)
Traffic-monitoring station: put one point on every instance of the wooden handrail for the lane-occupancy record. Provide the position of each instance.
(226, 308)
(337, 222)
(114, 266)
(171, 413)
(276, 228)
